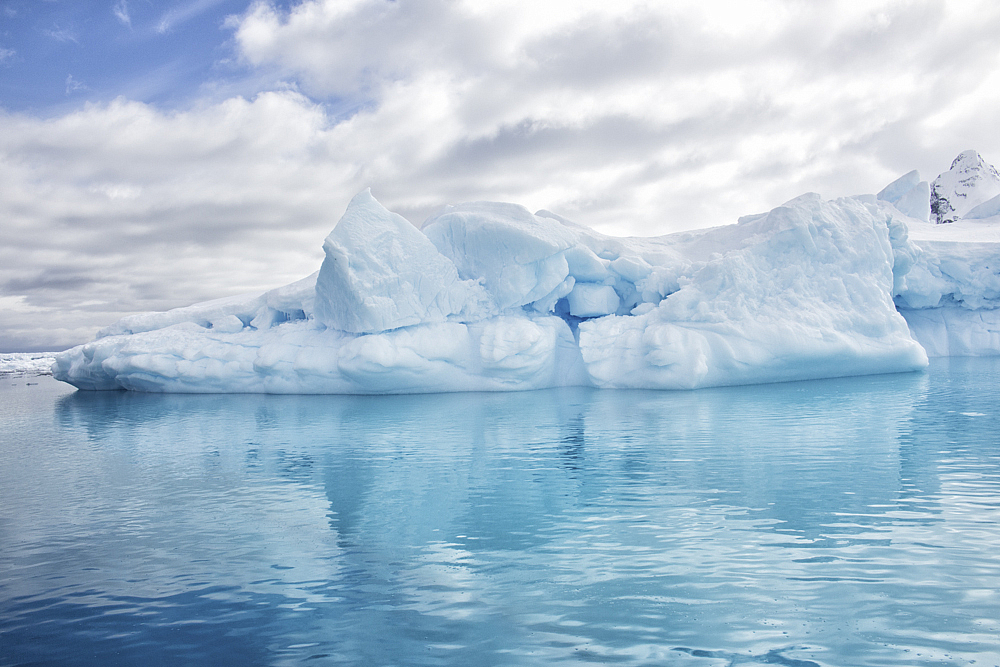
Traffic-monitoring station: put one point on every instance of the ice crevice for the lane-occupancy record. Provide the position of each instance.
(488, 296)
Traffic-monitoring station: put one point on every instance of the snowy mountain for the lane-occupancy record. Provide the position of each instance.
(958, 191)
(489, 296)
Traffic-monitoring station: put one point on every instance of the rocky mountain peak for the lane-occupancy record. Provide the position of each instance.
(970, 182)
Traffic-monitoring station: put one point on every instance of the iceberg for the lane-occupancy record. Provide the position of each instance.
(801, 292)
(491, 297)
(25, 364)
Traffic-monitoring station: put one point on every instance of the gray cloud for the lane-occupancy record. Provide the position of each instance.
(54, 279)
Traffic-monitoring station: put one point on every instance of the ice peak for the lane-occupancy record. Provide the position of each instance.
(381, 273)
(899, 187)
(909, 195)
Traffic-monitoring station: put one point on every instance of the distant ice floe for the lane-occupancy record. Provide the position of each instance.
(25, 364)
(488, 296)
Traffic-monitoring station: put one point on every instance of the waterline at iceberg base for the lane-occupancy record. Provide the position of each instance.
(489, 296)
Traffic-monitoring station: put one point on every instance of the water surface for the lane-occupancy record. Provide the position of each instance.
(838, 522)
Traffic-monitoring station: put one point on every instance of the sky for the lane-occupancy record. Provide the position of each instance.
(157, 153)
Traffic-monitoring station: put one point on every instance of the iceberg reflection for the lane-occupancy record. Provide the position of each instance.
(799, 523)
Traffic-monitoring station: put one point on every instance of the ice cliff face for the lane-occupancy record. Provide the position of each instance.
(949, 293)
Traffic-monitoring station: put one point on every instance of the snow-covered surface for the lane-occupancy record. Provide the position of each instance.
(489, 296)
(986, 230)
(988, 209)
(25, 364)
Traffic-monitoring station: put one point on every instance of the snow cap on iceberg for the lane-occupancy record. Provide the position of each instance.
(381, 273)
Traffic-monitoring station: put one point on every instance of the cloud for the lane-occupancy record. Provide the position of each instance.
(121, 208)
(72, 85)
(120, 10)
(61, 34)
(185, 13)
(635, 118)
(6, 54)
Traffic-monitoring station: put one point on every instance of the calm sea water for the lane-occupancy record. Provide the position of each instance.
(840, 522)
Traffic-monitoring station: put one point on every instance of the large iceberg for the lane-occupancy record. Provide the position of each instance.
(488, 296)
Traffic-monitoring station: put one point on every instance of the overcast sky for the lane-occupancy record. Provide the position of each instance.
(155, 153)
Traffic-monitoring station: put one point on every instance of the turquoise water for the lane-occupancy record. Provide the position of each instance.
(839, 522)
